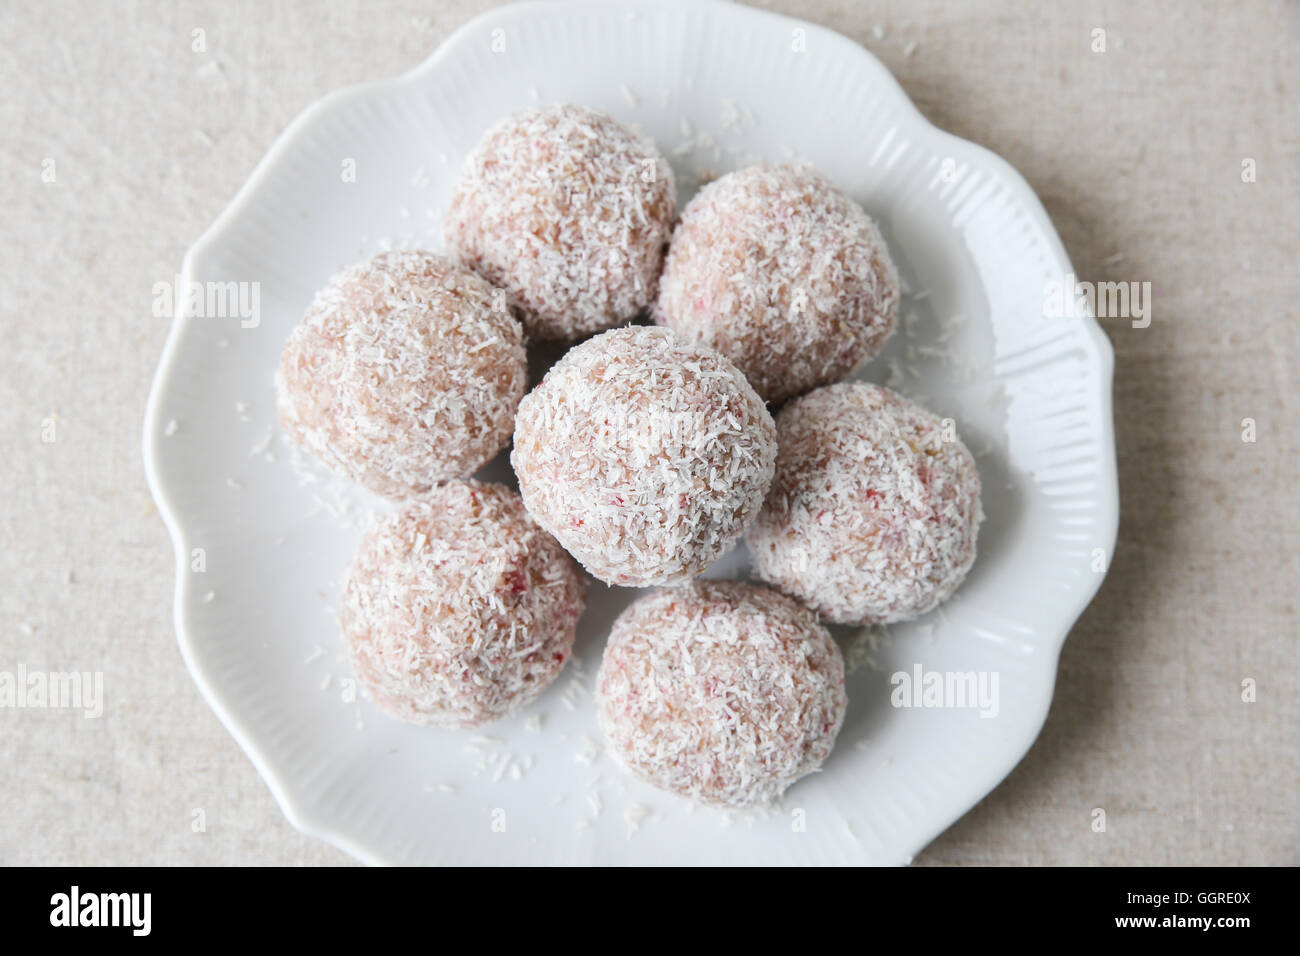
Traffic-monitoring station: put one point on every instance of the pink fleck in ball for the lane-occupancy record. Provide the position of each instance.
(874, 510)
(458, 609)
(569, 211)
(406, 370)
(723, 692)
(782, 273)
(645, 455)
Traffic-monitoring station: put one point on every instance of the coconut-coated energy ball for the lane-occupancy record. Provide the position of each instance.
(874, 509)
(406, 370)
(459, 609)
(782, 273)
(569, 211)
(645, 455)
(723, 692)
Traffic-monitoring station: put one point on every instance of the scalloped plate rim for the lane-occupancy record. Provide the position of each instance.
(280, 787)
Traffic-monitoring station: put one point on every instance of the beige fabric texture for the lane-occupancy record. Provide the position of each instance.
(1138, 156)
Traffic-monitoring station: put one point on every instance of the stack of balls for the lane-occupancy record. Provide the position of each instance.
(644, 454)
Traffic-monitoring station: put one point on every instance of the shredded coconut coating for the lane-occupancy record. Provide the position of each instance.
(645, 455)
(459, 609)
(782, 273)
(569, 211)
(406, 370)
(873, 515)
(723, 692)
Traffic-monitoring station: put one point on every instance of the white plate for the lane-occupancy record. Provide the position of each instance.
(1031, 396)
